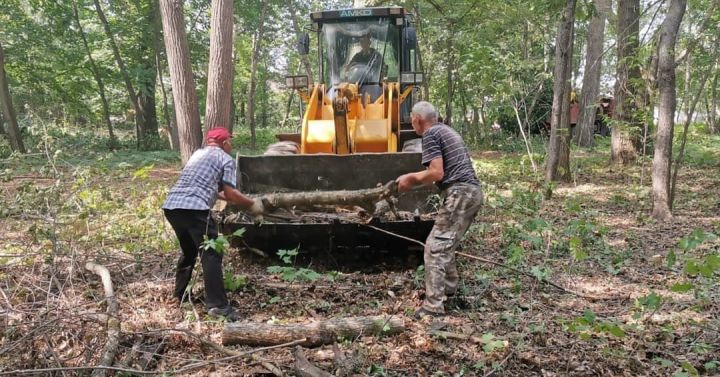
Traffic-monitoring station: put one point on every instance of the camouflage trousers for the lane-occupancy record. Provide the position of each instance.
(460, 205)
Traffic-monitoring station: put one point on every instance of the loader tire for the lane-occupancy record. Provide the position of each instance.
(282, 148)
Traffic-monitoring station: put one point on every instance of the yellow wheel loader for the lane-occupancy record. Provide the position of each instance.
(355, 134)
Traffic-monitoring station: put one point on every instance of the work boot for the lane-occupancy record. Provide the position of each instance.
(422, 312)
(227, 312)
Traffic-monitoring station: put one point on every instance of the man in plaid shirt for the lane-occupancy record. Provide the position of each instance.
(210, 173)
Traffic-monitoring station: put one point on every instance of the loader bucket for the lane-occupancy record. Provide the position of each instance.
(319, 172)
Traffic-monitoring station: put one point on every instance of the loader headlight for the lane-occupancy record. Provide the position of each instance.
(296, 82)
(414, 78)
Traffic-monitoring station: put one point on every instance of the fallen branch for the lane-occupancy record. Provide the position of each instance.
(135, 371)
(304, 368)
(364, 198)
(315, 333)
(113, 323)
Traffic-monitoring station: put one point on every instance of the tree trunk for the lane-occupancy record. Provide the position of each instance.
(257, 44)
(666, 118)
(713, 106)
(123, 71)
(220, 66)
(450, 79)
(558, 161)
(315, 334)
(183, 86)
(98, 78)
(13, 130)
(625, 136)
(170, 124)
(146, 83)
(593, 69)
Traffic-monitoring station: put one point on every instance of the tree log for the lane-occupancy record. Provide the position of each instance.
(365, 198)
(316, 333)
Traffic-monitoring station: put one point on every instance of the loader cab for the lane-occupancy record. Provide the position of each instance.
(366, 46)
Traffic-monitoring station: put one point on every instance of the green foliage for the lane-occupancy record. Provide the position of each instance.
(698, 254)
(290, 273)
(587, 326)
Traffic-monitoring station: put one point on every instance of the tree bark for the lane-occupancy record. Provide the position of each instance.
(558, 161)
(123, 71)
(365, 198)
(96, 75)
(184, 96)
(13, 129)
(220, 66)
(593, 69)
(170, 123)
(257, 44)
(666, 118)
(147, 82)
(315, 333)
(625, 136)
(450, 80)
(713, 106)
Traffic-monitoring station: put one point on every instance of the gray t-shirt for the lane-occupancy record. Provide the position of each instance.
(201, 179)
(443, 141)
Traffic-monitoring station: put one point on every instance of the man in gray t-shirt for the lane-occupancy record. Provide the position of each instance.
(209, 174)
(450, 167)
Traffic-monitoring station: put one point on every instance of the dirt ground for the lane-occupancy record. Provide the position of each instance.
(593, 320)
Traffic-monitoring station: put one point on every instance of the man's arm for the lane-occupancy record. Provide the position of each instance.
(234, 195)
(433, 173)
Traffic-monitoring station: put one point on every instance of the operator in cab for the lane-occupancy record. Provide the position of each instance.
(367, 61)
(210, 173)
(448, 166)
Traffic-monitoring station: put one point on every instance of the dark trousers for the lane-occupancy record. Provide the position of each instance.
(190, 226)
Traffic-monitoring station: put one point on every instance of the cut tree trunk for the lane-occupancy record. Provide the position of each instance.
(220, 66)
(183, 86)
(366, 198)
(13, 129)
(591, 79)
(315, 333)
(667, 104)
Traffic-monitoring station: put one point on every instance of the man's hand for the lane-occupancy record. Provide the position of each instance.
(406, 182)
(256, 208)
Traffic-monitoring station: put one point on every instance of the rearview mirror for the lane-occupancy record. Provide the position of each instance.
(410, 37)
(303, 44)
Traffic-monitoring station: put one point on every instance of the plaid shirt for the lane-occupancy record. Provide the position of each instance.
(201, 179)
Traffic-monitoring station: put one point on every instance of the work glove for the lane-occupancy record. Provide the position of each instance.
(256, 208)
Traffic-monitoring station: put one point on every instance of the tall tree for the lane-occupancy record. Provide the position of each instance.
(256, 46)
(558, 160)
(184, 96)
(304, 59)
(666, 112)
(123, 70)
(13, 130)
(96, 75)
(625, 136)
(593, 68)
(220, 68)
(147, 79)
